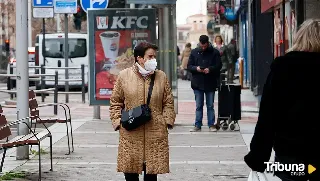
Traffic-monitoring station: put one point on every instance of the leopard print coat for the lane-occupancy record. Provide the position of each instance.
(148, 143)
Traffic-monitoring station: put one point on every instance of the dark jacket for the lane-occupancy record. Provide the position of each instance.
(232, 53)
(210, 58)
(289, 119)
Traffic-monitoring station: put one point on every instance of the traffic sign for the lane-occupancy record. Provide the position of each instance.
(42, 3)
(65, 6)
(43, 12)
(95, 4)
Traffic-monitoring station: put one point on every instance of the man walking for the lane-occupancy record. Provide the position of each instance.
(205, 65)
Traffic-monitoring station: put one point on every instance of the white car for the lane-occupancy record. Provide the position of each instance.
(31, 61)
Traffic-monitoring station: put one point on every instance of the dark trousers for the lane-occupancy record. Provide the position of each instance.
(135, 176)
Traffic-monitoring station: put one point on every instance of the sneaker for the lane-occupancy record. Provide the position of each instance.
(195, 129)
(212, 129)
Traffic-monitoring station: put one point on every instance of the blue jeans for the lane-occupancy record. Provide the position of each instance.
(199, 97)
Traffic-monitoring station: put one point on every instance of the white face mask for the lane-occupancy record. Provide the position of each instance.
(150, 65)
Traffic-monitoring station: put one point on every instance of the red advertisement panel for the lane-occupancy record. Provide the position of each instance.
(112, 37)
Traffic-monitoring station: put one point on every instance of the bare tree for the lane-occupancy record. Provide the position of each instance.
(8, 14)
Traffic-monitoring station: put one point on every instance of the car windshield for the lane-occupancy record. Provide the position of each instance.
(55, 48)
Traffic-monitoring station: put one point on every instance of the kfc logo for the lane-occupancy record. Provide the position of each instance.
(102, 22)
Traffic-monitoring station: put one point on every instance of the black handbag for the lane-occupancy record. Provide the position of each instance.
(140, 115)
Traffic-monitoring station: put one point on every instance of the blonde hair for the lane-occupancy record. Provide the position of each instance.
(308, 37)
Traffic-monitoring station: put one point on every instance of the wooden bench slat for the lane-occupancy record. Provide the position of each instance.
(41, 136)
(17, 140)
(26, 139)
(55, 120)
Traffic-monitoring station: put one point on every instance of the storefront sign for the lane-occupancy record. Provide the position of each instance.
(268, 4)
(230, 15)
(113, 34)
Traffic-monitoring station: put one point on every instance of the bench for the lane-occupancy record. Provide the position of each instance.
(36, 119)
(33, 138)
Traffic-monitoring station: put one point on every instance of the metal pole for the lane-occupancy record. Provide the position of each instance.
(42, 70)
(44, 40)
(249, 41)
(166, 44)
(83, 84)
(96, 112)
(160, 38)
(55, 96)
(66, 55)
(175, 56)
(58, 22)
(30, 23)
(11, 82)
(22, 72)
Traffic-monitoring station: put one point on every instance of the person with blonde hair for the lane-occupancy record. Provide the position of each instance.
(184, 60)
(220, 46)
(288, 118)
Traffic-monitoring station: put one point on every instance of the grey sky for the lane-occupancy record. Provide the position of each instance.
(187, 8)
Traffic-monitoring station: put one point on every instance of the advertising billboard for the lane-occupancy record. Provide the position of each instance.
(113, 34)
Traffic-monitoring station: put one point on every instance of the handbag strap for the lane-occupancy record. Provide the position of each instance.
(151, 88)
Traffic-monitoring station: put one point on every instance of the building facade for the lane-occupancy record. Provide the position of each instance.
(198, 24)
(182, 35)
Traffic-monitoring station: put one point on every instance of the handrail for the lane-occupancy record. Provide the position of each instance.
(64, 80)
(13, 91)
(45, 67)
(33, 66)
(42, 77)
(32, 75)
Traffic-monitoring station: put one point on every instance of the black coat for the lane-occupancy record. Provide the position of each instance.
(210, 58)
(289, 119)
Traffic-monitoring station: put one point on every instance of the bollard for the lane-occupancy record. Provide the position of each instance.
(83, 84)
(241, 72)
(9, 85)
(11, 82)
(55, 96)
(43, 71)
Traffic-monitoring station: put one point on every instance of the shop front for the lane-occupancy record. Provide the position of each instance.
(284, 27)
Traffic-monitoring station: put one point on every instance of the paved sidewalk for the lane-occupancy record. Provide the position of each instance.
(194, 156)
(202, 156)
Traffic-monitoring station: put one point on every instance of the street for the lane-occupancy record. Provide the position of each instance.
(3, 95)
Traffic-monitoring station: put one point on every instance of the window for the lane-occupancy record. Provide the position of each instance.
(194, 21)
(200, 21)
(55, 48)
(180, 36)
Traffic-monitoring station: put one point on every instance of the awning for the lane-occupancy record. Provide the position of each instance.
(266, 5)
